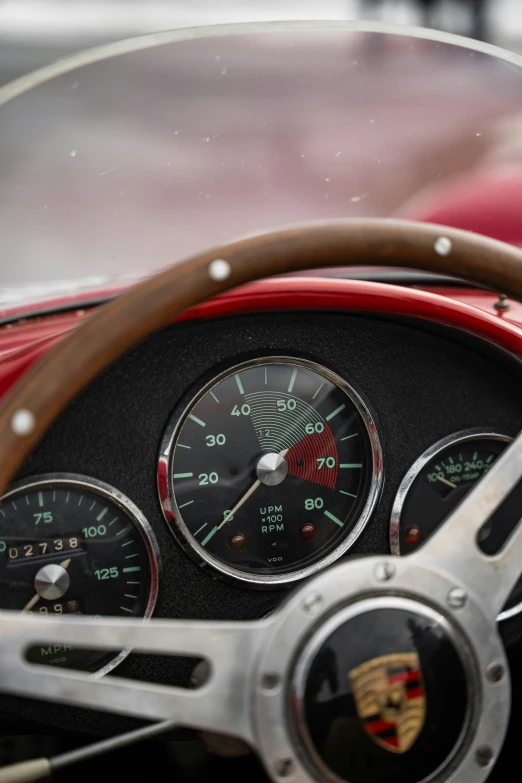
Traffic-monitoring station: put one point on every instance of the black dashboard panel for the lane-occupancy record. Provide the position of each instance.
(422, 383)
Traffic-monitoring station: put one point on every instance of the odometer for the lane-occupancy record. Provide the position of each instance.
(71, 545)
(271, 471)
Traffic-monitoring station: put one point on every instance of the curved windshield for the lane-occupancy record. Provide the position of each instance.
(161, 147)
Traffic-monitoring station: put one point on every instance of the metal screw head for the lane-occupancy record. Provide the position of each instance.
(270, 682)
(483, 755)
(501, 303)
(384, 572)
(457, 598)
(495, 672)
(312, 602)
(284, 768)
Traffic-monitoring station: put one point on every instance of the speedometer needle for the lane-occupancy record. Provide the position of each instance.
(247, 494)
(34, 600)
(445, 481)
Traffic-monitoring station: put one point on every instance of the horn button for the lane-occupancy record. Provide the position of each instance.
(383, 694)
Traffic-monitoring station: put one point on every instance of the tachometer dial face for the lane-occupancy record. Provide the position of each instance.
(435, 485)
(272, 470)
(70, 545)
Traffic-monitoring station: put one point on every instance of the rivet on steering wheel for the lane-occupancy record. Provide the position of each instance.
(457, 598)
(219, 270)
(284, 768)
(23, 422)
(312, 603)
(443, 246)
(495, 672)
(484, 756)
(270, 682)
(384, 572)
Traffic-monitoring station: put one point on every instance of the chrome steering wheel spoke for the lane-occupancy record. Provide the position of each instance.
(454, 548)
(221, 704)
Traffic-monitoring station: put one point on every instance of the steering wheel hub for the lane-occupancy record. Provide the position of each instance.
(373, 682)
(382, 693)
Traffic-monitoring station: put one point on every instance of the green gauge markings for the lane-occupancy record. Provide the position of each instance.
(318, 390)
(198, 421)
(250, 497)
(335, 412)
(207, 539)
(333, 518)
(63, 520)
(292, 381)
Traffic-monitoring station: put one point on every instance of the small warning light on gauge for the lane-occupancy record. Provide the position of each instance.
(308, 531)
(237, 542)
(412, 535)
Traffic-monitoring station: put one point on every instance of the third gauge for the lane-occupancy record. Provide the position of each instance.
(435, 485)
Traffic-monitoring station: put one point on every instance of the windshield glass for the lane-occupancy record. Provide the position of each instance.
(123, 165)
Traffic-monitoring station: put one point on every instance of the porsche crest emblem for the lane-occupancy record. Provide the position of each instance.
(390, 699)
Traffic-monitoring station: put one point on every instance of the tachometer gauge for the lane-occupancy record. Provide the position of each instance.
(272, 471)
(71, 545)
(435, 485)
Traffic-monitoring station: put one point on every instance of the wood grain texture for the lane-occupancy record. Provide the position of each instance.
(153, 303)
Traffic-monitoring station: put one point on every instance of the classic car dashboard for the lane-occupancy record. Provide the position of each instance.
(225, 458)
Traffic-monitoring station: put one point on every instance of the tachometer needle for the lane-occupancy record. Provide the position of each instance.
(445, 481)
(34, 600)
(247, 494)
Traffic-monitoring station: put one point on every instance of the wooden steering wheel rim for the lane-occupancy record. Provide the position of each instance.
(42, 394)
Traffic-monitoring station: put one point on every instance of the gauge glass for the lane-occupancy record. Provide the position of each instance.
(271, 471)
(75, 546)
(435, 485)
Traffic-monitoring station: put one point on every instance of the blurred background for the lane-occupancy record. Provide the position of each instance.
(35, 32)
(119, 169)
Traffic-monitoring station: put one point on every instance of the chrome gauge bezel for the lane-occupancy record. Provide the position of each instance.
(464, 436)
(175, 520)
(131, 511)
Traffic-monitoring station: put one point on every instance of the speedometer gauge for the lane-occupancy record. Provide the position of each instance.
(71, 545)
(435, 485)
(271, 471)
